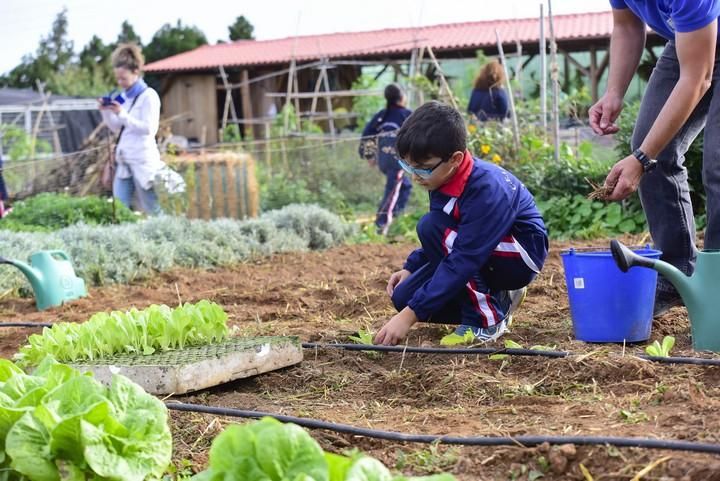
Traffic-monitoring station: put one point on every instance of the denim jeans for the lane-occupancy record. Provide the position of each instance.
(665, 192)
(123, 190)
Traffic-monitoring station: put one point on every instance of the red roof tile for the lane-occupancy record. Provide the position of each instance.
(450, 36)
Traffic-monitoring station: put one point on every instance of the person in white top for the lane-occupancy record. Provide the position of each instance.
(135, 115)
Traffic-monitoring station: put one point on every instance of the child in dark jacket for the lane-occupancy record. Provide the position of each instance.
(378, 146)
(482, 242)
(489, 100)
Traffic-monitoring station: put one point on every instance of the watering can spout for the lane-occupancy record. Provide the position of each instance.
(625, 259)
(33, 275)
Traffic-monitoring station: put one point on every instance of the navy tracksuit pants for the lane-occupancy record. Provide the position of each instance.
(395, 198)
(483, 301)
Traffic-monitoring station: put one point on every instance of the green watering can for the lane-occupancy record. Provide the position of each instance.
(52, 278)
(700, 292)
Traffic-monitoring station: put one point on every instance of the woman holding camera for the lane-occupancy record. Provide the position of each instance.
(135, 116)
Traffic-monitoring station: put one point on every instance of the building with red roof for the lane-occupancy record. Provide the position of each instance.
(191, 83)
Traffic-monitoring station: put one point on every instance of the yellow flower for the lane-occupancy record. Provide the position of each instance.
(496, 159)
(472, 128)
(485, 149)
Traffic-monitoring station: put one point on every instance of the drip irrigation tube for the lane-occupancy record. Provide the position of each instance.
(507, 351)
(25, 324)
(697, 361)
(438, 350)
(521, 441)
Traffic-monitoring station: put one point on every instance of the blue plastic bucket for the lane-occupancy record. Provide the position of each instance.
(606, 304)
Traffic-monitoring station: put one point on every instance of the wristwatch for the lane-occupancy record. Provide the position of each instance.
(648, 164)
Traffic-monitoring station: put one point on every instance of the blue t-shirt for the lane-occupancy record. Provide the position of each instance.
(667, 17)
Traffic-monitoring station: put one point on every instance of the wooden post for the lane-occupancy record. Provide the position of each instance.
(543, 72)
(56, 138)
(229, 104)
(328, 103)
(555, 85)
(593, 74)
(567, 59)
(290, 82)
(519, 67)
(268, 156)
(513, 114)
(246, 100)
(316, 90)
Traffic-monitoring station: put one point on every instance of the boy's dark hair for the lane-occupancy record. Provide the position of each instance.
(433, 130)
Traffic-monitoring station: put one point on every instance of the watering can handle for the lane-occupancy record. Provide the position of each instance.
(625, 258)
(59, 253)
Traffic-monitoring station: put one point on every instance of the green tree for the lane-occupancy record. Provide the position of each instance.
(127, 34)
(171, 40)
(53, 56)
(242, 29)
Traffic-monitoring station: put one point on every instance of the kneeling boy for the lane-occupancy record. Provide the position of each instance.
(483, 240)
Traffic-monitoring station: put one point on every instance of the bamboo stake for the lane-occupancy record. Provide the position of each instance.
(290, 82)
(513, 114)
(443, 80)
(543, 72)
(519, 68)
(555, 85)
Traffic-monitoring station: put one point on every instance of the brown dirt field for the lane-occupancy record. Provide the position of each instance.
(326, 296)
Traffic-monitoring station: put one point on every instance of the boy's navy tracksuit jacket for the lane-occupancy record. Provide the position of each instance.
(491, 214)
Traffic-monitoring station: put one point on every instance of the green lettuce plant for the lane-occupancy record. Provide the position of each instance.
(661, 350)
(268, 450)
(157, 328)
(58, 424)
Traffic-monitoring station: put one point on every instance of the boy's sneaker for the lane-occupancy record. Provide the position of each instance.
(466, 334)
(517, 297)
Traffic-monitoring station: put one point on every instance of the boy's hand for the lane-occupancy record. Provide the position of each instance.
(395, 279)
(397, 328)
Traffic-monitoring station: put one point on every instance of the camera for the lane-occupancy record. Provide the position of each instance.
(108, 99)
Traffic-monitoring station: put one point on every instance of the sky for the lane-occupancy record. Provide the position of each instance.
(24, 22)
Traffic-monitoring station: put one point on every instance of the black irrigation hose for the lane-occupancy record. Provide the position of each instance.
(521, 441)
(438, 350)
(25, 324)
(698, 361)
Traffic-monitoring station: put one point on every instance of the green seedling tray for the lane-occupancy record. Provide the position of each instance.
(199, 367)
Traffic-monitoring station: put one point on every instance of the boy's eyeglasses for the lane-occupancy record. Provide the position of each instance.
(422, 173)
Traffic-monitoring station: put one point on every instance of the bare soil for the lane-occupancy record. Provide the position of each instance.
(327, 296)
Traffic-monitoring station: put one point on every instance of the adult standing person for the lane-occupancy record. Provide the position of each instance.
(680, 99)
(489, 100)
(136, 120)
(378, 147)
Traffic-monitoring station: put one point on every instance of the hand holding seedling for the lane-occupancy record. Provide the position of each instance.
(625, 177)
(397, 328)
(395, 279)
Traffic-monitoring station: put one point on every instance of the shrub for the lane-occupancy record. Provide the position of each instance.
(128, 252)
(574, 216)
(48, 212)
